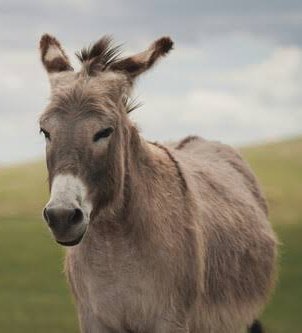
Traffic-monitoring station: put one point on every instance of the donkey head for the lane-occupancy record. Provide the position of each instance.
(87, 130)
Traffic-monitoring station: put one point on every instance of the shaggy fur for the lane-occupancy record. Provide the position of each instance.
(179, 238)
(99, 56)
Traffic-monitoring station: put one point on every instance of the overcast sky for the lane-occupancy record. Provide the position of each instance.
(235, 74)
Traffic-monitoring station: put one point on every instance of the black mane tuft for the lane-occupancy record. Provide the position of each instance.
(100, 55)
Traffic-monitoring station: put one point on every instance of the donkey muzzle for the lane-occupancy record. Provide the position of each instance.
(67, 224)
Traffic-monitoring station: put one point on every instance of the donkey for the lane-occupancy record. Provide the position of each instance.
(162, 238)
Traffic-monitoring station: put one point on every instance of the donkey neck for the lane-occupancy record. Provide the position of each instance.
(152, 165)
(154, 181)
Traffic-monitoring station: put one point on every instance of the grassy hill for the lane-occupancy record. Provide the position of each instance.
(279, 168)
(33, 294)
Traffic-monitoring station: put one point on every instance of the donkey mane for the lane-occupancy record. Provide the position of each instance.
(186, 140)
(100, 55)
(175, 162)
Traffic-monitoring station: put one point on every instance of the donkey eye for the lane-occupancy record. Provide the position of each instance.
(46, 134)
(102, 134)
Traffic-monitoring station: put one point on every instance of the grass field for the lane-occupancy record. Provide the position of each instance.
(34, 296)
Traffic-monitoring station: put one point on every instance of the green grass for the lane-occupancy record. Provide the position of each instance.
(23, 190)
(279, 168)
(34, 296)
(284, 312)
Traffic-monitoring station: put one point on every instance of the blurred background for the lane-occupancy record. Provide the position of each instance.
(235, 76)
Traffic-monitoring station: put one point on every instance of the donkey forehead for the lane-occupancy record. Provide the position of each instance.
(77, 96)
(77, 117)
(104, 83)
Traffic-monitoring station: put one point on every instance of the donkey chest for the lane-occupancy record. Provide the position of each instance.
(112, 281)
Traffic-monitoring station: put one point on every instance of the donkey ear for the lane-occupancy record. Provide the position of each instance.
(53, 56)
(139, 63)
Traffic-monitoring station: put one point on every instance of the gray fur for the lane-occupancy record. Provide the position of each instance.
(178, 239)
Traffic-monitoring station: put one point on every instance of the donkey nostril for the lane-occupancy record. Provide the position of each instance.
(46, 218)
(76, 216)
(50, 216)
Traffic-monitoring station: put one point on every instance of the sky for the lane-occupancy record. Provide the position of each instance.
(235, 74)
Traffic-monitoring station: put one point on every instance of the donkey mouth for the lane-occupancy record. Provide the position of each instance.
(72, 243)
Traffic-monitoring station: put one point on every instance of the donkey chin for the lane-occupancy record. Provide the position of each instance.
(67, 213)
